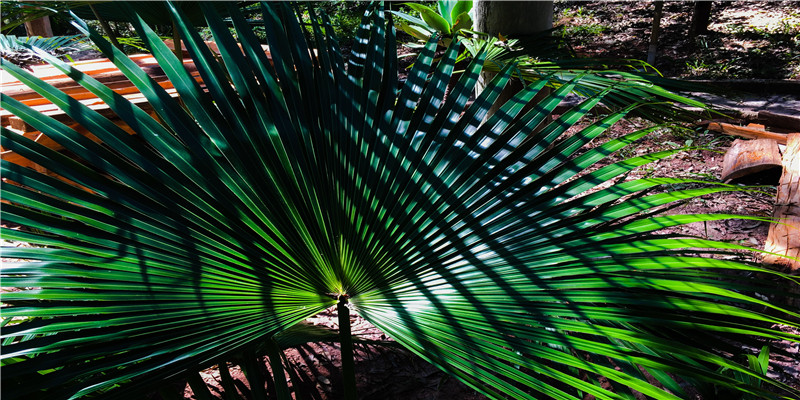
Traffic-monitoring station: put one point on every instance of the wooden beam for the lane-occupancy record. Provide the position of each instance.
(747, 132)
(784, 234)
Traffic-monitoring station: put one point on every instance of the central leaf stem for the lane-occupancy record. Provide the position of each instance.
(346, 342)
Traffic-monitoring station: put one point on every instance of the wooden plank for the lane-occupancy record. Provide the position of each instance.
(215, 49)
(93, 103)
(51, 144)
(93, 67)
(100, 69)
(748, 157)
(784, 236)
(747, 132)
(97, 68)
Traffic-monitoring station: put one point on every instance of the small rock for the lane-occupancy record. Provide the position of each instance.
(323, 380)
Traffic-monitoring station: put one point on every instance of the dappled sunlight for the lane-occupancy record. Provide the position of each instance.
(495, 247)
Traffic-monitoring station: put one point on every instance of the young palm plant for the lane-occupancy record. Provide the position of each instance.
(543, 56)
(277, 188)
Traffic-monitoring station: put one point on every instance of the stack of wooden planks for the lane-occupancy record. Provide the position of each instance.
(101, 69)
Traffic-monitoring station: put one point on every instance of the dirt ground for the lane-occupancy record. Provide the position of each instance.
(746, 39)
(382, 372)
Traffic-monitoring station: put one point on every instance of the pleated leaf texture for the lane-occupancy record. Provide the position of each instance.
(497, 249)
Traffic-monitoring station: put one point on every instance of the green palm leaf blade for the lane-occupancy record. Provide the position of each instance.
(494, 248)
(539, 57)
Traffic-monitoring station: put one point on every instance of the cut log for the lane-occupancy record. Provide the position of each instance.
(747, 132)
(784, 234)
(748, 157)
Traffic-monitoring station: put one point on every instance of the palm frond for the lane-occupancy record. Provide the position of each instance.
(540, 57)
(17, 49)
(484, 245)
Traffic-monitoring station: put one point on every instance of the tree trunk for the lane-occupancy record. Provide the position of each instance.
(701, 17)
(112, 36)
(515, 19)
(38, 27)
(652, 50)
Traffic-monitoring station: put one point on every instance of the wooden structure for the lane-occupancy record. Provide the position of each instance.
(758, 155)
(101, 69)
(784, 234)
(751, 131)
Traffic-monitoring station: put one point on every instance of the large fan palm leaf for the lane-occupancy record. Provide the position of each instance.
(280, 186)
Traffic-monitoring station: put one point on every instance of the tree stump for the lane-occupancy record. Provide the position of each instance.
(784, 236)
(748, 157)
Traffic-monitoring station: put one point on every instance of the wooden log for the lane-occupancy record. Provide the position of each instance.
(784, 235)
(747, 132)
(748, 157)
(780, 120)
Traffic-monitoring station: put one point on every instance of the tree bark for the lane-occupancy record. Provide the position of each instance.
(701, 17)
(652, 50)
(784, 233)
(515, 19)
(750, 157)
(38, 27)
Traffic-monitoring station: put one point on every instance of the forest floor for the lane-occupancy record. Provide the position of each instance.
(745, 39)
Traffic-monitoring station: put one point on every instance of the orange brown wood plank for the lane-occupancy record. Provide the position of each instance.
(747, 132)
